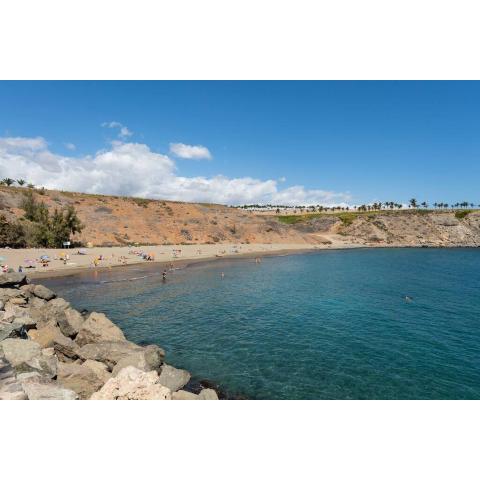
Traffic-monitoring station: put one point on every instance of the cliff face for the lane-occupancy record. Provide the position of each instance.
(409, 228)
(113, 220)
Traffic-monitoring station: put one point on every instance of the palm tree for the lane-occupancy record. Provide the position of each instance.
(413, 203)
(424, 204)
(8, 181)
(21, 182)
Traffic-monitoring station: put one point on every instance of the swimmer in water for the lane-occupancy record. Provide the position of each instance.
(408, 299)
(222, 275)
(164, 275)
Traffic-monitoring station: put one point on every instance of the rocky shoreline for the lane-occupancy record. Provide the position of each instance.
(50, 351)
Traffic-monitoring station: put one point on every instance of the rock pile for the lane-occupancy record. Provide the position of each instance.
(48, 350)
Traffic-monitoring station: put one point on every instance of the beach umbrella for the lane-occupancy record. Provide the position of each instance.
(44, 257)
(2, 259)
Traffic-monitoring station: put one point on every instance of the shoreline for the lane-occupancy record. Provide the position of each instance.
(254, 250)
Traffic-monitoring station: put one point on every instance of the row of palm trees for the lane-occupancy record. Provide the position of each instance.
(20, 182)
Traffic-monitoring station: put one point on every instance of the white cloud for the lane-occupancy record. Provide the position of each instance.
(70, 146)
(193, 152)
(134, 169)
(123, 133)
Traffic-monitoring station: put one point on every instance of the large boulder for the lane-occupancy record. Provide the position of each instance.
(147, 359)
(133, 384)
(208, 394)
(11, 330)
(27, 356)
(51, 336)
(98, 328)
(99, 368)
(10, 387)
(184, 395)
(37, 387)
(12, 279)
(50, 312)
(8, 293)
(109, 353)
(43, 292)
(70, 323)
(79, 378)
(173, 378)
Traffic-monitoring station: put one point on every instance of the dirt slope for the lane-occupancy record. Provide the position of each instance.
(123, 220)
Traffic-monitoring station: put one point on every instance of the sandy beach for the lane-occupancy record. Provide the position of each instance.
(109, 257)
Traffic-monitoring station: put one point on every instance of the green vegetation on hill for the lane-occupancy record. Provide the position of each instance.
(39, 227)
(462, 213)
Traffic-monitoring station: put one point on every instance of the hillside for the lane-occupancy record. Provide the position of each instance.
(111, 220)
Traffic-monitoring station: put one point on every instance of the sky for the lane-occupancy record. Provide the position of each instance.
(281, 142)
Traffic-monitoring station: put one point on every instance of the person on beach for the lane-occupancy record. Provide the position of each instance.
(164, 275)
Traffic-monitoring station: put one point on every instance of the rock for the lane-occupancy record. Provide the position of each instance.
(147, 359)
(208, 394)
(43, 292)
(79, 378)
(100, 369)
(184, 395)
(46, 335)
(26, 356)
(8, 293)
(26, 321)
(173, 378)
(36, 302)
(11, 330)
(18, 301)
(98, 328)
(133, 384)
(109, 353)
(12, 279)
(41, 388)
(71, 323)
(50, 312)
(10, 387)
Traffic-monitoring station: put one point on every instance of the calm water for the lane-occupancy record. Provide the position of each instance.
(329, 325)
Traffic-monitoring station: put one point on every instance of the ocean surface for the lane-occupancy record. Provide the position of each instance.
(325, 325)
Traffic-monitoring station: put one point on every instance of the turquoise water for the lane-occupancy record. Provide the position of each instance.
(328, 325)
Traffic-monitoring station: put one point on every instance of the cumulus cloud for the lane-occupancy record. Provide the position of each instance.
(134, 169)
(191, 152)
(123, 133)
(70, 146)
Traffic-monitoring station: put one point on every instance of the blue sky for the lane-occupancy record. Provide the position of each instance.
(328, 142)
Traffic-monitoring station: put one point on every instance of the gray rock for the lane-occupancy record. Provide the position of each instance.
(8, 293)
(109, 353)
(147, 359)
(98, 328)
(12, 279)
(208, 394)
(26, 356)
(173, 378)
(41, 388)
(71, 323)
(79, 378)
(43, 292)
(11, 330)
(53, 311)
(184, 395)
(10, 387)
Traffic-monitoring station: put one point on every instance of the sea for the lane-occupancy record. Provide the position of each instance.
(379, 323)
